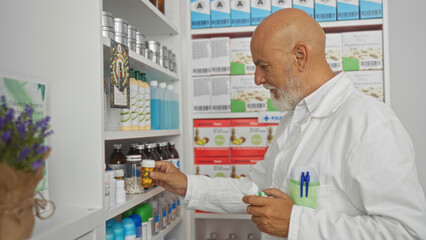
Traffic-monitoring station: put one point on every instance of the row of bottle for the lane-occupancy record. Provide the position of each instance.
(152, 106)
(146, 220)
(232, 236)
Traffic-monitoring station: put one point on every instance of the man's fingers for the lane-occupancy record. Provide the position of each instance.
(161, 165)
(159, 176)
(275, 193)
(255, 211)
(255, 200)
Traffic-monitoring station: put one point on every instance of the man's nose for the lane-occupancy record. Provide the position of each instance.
(259, 77)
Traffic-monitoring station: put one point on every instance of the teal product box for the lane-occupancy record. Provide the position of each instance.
(325, 10)
(200, 14)
(260, 9)
(305, 5)
(371, 9)
(280, 4)
(240, 13)
(220, 13)
(347, 9)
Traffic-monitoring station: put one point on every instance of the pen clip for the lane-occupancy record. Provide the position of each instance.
(307, 180)
(302, 180)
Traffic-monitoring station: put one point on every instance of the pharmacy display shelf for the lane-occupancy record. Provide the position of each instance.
(141, 14)
(67, 223)
(152, 69)
(131, 201)
(117, 135)
(225, 115)
(164, 232)
(222, 216)
(328, 26)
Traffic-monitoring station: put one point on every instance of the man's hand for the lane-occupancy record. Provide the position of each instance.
(169, 177)
(271, 215)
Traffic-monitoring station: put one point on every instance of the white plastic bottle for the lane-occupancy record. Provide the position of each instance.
(112, 194)
(107, 190)
(251, 188)
(147, 103)
(134, 101)
(141, 100)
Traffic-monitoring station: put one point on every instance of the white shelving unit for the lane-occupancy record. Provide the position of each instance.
(225, 115)
(119, 135)
(222, 216)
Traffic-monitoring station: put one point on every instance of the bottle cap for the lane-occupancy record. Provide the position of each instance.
(133, 158)
(110, 222)
(127, 213)
(163, 144)
(129, 227)
(109, 234)
(233, 236)
(141, 212)
(118, 230)
(251, 236)
(153, 83)
(148, 209)
(148, 163)
(117, 146)
(137, 219)
(132, 73)
(171, 143)
(119, 173)
(169, 87)
(250, 188)
(140, 147)
(162, 85)
(213, 235)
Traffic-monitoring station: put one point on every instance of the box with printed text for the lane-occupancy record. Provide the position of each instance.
(260, 9)
(246, 96)
(240, 166)
(271, 129)
(200, 14)
(221, 93)
(368, 82)
(201, 57)
(220, 13)
(305, 5)
(248, 137)
(211, 137)
(333, 51)
(241, 61)
(220, 55)
(240, 13)
(325, 10)
(202, 99)
(347, 9)
(371, 9)
(212, 166)
(280, 4)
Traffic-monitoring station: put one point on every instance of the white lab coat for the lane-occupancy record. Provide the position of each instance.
(365, 164)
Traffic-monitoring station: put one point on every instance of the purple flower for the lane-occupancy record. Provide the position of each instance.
(24, 154)
(37, 164)
(9, 115)
(7, 136)
(2, 122)
(29, 110)
(3, 101)
(22, 130)
(43, 123)
(42, 149)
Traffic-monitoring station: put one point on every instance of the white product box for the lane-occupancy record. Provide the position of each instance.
(200, 13)
(260, 9)
(240, 13)
(280, 4)
(211, 137)
(305, 5)
(248, 137)
(212, 166)
(221, 93)
(369, 82)
(347, 9)
(220, 13)
(201, 56)
(202, 94)
(220, 55)
(246, 96)
(333, 50)
(241, 61)
(371, 9)
(363, 50)
(325, 10)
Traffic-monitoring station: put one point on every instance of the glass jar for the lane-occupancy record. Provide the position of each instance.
(133, 174)
(117, 159)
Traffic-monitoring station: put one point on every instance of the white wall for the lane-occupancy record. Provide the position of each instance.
(407, 44)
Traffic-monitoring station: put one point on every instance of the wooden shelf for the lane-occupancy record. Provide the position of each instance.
(141, 14)
(222, 216)
(153, 70)
(117, 135)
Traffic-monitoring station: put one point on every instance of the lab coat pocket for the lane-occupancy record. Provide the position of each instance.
(302, 196)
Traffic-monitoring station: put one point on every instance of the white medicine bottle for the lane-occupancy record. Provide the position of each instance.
(251, 188)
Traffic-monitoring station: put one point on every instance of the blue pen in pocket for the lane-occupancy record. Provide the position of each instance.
(304, 186)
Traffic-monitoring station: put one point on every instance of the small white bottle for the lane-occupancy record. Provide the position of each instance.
(106, 190)
(251, 188)
(120, 191)
(112, 184)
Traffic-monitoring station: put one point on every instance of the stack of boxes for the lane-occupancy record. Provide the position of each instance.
(233, 13)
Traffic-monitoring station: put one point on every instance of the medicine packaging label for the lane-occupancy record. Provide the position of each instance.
(325, 10)
(220, 13)
(240, 13)
(200, 14)
(305, 5)
(347, 9)
(260, 9)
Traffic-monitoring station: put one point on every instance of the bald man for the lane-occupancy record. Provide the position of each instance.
(341, 165)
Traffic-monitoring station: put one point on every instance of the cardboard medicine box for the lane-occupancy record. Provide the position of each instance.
(280, 4)
(246, 96)
(305, 5)
(260, 9)
(248, 137)
(362, 50)
(220, 56)
(333, 51)
(221, 93)
(212, 166)
(201, 57)
(220, 13)
(202, 94)
(240, 166)
(347, 9)
(241, 61)
(240, 13)
(211, 137)
(325, 10)
(370, 9)
(369, 82)
(200, 14)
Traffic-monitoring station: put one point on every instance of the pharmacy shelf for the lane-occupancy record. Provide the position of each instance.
(139, 62)
(164, 232)
(328, 26)
(222, 216)
(117, 135)
(67, 223)
(141, 14)
(131, 201)
(225, 115)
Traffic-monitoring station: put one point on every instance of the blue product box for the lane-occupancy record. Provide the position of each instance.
(325, 10)
(347, 9)
(371, 9)
(200, 14)
(240, 13)
(220, 13)
(280, 4)
(305, 5)
(260, 9)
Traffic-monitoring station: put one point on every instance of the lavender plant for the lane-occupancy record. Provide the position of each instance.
(22, 138)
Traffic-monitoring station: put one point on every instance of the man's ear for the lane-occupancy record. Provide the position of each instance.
(300, 56)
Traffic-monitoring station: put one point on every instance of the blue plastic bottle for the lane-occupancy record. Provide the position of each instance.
(173, 107)
(138, 225)
(109, 234)
(164, 122)
(129, 229)
(155, 106)
(118, 230)
(110, 222)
